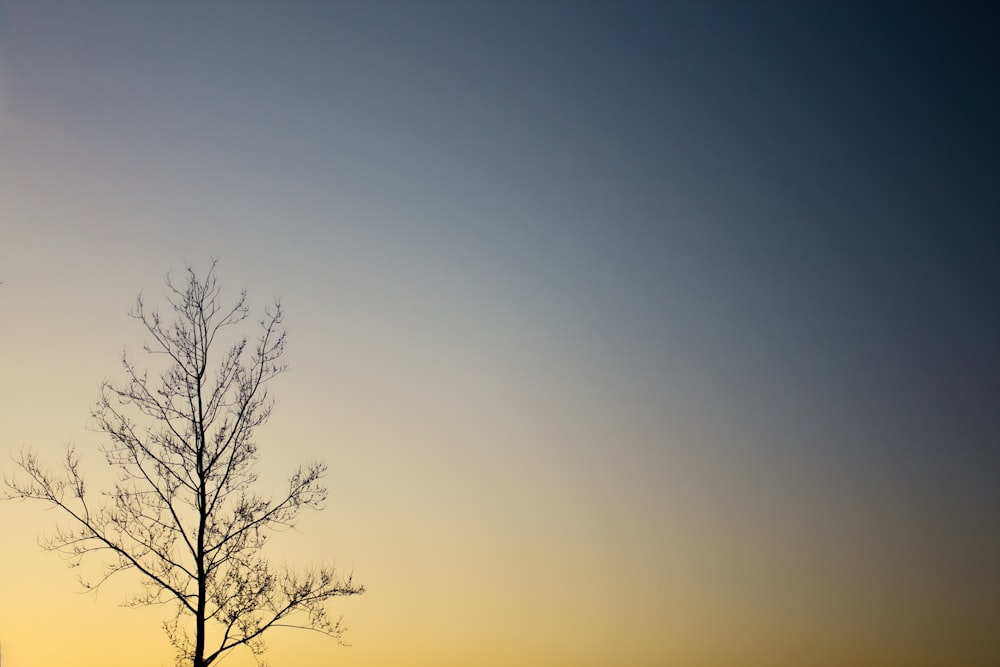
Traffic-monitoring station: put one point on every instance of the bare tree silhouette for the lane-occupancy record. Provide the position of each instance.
(184, 514)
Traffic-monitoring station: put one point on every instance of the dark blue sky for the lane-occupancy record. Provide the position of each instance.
(718, 280)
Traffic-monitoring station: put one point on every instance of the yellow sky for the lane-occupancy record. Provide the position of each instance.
(655, 335)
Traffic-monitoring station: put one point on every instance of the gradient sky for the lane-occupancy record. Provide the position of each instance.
(657, 334)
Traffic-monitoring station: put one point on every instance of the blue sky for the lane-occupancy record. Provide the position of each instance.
(714, 280)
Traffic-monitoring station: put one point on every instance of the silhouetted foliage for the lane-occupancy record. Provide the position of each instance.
(184, 513)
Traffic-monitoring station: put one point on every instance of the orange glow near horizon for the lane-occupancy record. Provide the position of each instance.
(652, 334)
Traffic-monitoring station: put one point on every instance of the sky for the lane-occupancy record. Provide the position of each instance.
(654, 334)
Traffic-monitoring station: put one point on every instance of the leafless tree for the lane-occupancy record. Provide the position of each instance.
(184, 513)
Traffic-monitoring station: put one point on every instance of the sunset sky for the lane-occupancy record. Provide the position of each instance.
(646, 334)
